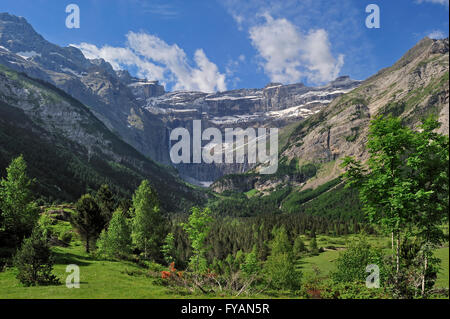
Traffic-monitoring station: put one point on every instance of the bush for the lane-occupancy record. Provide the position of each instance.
(351, 263)
(34, 261)
(280, 272)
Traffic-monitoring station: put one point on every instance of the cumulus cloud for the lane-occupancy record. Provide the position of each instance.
(157, 60)
(289, 55)
(436, 34)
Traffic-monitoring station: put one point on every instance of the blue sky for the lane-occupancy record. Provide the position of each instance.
(214, 45)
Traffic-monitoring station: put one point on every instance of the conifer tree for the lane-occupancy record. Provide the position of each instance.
(87, 219)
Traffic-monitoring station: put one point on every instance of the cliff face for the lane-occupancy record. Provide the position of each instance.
(275, 105)
(112, 97)
(142, 113)
(414, 87)
(82, 151)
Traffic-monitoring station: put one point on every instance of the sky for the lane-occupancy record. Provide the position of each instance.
(218, 45)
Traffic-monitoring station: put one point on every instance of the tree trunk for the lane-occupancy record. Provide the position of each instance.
(392, 241)
(87, 244)
(424, 274)
(398, 253)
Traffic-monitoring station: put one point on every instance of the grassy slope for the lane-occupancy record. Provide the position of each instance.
(99, 279)
(325, 261)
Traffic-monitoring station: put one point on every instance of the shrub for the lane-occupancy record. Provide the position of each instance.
(34, 261)
(351, 263)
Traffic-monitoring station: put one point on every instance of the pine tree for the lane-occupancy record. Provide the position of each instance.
(299, 247)
(87, 219)
(313, 248)
(106, 202)
(251, 265)
(34, 261)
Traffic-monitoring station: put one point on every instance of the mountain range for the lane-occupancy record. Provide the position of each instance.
(81, 123)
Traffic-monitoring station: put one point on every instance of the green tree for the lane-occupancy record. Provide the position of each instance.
(404, 188)
(429, 164)
(87, 219)
(299, 247)
(169, 249)
(115, 242)
(313, 248)
(198, 228)
(251, 265)
(147, 223)
(19, 213)
(34, 260)
(279, 269)
(280, 243)
(351, 263)
(106, 202)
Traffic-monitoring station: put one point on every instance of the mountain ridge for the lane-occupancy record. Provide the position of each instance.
(414, 87)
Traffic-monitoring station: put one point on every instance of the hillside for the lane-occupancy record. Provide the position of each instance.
(69, 150)
(414, 87)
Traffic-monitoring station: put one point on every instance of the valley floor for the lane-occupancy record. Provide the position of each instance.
(126, 280)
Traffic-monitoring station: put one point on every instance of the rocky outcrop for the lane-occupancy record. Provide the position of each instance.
(414, 87)
(62, 123)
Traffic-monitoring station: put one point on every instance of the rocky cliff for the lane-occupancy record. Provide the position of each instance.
(414, 87)
(142, 113)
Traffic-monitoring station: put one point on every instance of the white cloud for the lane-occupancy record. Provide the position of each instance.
(290, 55)
(436, 34)
(443, 2)
(157, 60)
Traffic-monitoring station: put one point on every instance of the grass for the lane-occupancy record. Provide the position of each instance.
(99, 279)
(125, 279)
(325, 262)
(443, 274)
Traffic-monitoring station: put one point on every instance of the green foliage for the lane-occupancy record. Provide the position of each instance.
(279, 269)
(115, 242)
(299, 247)
(280, 272)
(87, 219)
(251, 265)
(198, 228)
(147, 223)
(106, 202)
(350, 290)
(313, 248)
(34, 261)
(18, 212)
(405, 187)
(169, 249)
(292, 202)
(351, 263)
